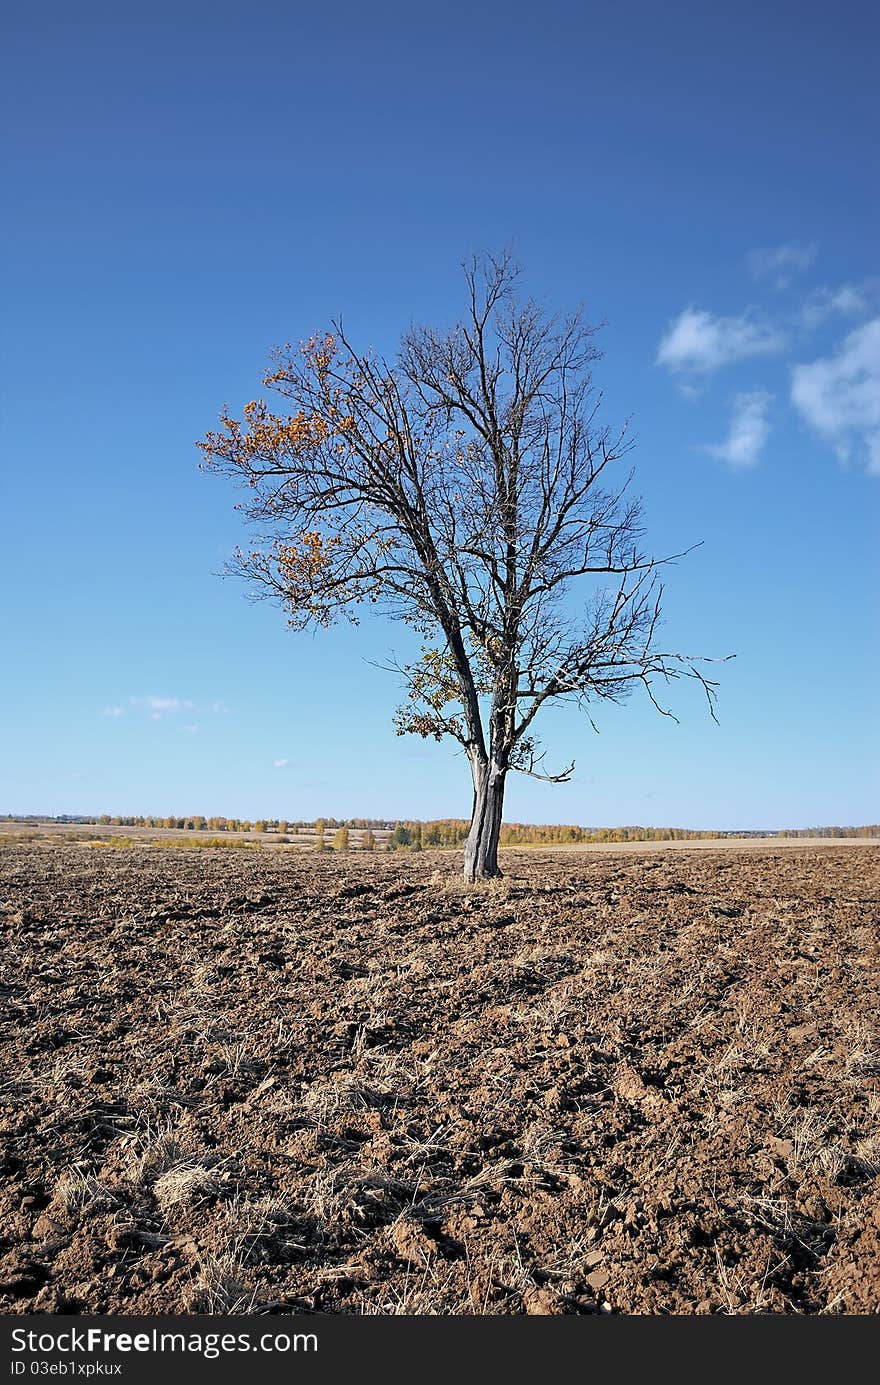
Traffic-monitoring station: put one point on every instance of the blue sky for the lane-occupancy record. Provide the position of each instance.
(187, 186)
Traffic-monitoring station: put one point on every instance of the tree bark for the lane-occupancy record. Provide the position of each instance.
(481, 845)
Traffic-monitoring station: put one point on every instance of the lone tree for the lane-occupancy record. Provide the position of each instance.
(466, 488)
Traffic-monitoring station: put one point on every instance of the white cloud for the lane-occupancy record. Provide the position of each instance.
(782, 261)
(839, 395)
(847, 300)
(113, 712)
(281, 763)
(158, 706)
(191, 729)
(699, 342)
(748, 432)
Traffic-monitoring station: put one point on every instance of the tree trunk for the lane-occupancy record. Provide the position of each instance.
(481, 845)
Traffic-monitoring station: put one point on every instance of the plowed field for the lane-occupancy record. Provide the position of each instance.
(262, 1081)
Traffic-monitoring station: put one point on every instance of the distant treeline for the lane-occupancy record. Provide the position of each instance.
(197, 823)
(872, 830)
(452, 832)
(441, 832)
(525, 834)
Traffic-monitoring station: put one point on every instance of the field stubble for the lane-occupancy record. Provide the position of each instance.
(274, 1082)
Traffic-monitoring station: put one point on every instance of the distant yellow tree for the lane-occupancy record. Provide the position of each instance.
(368, 841)
(340, 841)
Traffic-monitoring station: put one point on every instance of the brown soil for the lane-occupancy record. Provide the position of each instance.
(272, 1082)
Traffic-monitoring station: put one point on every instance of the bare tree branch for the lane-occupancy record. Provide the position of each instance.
(462, 489)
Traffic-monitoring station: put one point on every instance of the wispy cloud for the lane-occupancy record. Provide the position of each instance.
(748, 432)
(162, 704)
(839, 395)
(783, 263)
(846, 300)
(280, 763)
(698, 342)
(158, 707)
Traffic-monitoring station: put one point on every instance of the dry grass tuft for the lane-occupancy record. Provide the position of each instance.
(186, 1185)
(77, 1191)
(257, 1227)
(218, 1288)
(863, 1055)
